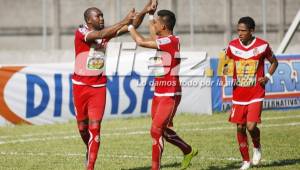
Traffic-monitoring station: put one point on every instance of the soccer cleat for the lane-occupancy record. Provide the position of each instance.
(187, 159)
(245, 165)
(256, 156)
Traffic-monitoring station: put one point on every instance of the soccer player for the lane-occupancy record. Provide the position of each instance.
(167, 93)
(248, 54)
(89, 91)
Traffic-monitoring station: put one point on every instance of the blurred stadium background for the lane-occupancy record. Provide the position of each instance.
(37, 26)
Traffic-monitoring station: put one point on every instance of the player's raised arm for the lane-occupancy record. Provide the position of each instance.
(140, 40)
(151, 24)
(110, 32)
(138, 18)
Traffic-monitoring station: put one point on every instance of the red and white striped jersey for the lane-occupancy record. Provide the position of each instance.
(248, 67)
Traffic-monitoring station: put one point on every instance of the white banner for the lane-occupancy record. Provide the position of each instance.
(42, 94)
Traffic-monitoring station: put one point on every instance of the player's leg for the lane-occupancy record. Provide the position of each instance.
(154, 106)
(243, 145)
(80, 103)
(164, 106)
(81, 112)
(254, 117)
(171, 136)
(83, 130)
(157, 146)
(254, 133)
(238, 116)
(94, 143)
(96, 108)
(155, 134)
(83, 127)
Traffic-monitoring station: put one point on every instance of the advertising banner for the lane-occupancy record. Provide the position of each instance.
(42, 93)
(282, 92)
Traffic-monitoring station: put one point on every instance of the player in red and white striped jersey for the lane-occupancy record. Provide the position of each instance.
(249, 54)
(167, 93)
(89, 80)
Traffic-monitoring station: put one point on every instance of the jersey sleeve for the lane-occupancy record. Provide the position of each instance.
(228, 52)
(164, 43)
(82, 33)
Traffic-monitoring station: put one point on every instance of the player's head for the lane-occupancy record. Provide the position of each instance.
(94, 18)
(165, 21)
(246, 27)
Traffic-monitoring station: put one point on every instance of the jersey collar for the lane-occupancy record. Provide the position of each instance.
(248, 46)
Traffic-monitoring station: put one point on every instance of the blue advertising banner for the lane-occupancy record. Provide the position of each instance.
(282, 92)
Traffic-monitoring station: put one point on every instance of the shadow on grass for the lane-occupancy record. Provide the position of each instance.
(279, 163)
(172, 165)
(232, 165)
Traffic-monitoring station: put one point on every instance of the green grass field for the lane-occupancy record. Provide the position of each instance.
(126, 144)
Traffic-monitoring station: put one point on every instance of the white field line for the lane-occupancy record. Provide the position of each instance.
(219, 122)
(121, 156)
(38, 134)
(108, 156)
(136, 133)
(233, 127)
(140, 128)
(204, 123)
(105, 155)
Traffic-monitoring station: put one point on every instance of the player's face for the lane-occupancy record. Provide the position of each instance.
(158, 25)
(245, 34)
(96, 19)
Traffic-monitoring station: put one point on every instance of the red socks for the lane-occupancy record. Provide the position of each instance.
(157, 147)
(93, 145)
(243, 144)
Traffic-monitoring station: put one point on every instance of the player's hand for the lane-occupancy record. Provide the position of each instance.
(130, 16)
(154, 5)
(151, 7)
(263, 80)
(225, 70)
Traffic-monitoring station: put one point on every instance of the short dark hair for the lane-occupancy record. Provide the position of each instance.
(88, 12)
(248, 21)
(168, 18)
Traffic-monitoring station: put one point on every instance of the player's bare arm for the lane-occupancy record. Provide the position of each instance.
(140, 16)
(152, 29)
(151, 23)
(140, 40)
(111, 31)
(273, 67)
